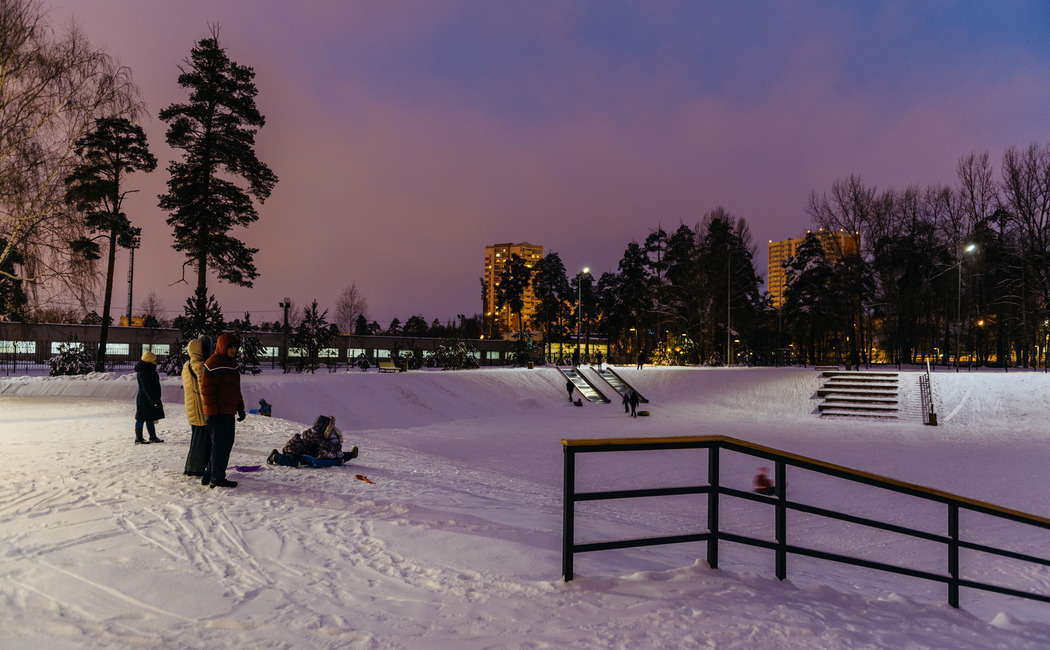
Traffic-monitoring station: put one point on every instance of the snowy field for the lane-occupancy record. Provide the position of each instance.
(456, 542)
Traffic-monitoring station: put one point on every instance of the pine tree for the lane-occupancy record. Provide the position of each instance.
(111, 150)
(203, 317)
(312, 335)
(216, 130)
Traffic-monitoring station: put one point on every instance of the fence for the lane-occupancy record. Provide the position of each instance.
(953, 541)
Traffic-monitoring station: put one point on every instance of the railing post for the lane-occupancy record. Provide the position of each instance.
(713, 482)
(780, 481)
(568, 529)
(953, 555)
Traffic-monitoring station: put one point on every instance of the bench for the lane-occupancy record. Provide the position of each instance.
(388, 366)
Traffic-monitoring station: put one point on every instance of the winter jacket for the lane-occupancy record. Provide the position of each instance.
(192, 371)
(322, 440)
(147, 402)
(221, 382)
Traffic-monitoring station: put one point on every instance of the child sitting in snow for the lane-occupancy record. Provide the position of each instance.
(321, 446)
(762, 482)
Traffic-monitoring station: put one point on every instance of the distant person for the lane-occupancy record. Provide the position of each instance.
(641, 360)
(148, 408)
(569, 386)
(626, 402)
(221, 393)
(598, 359)
(576, 358)
(265, 409)
(762, 483)
(200, 440)
(634, 403)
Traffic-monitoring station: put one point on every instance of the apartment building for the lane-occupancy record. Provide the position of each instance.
(836, 245)
(496, 258)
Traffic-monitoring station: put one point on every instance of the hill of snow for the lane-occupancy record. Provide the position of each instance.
(456, 542)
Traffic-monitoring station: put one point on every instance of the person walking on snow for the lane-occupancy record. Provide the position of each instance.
(626, 402)
(148, 408)
(634, 403)
(200, 440)
(569, 387)
(221, 394)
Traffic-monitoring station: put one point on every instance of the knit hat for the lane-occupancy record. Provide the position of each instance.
(149, 357)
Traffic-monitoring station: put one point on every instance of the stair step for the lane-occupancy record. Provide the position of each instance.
(857, 406)
(860, 414)
(825, 392)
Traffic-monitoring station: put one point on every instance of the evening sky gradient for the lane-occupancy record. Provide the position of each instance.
(407, 136)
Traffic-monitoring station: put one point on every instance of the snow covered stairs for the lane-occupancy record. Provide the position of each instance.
(859, 394)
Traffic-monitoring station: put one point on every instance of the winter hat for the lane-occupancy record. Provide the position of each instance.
(149, 357)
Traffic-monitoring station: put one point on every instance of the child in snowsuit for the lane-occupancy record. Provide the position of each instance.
(148, 408)
(321, 446)
(762, 482)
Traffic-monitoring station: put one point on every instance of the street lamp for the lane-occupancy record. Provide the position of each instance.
(579, 312)
(284, 356)
(958, 305)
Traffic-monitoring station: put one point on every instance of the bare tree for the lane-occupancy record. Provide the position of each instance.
(52, 87)
(350, 305)
(153, 306)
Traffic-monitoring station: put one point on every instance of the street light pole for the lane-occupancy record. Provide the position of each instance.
(958, 305)
(579, 311)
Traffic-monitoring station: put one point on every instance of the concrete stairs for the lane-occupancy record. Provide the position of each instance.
(852, 393)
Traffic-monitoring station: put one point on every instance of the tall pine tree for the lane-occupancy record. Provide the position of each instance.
(111, 150)
(216, 129)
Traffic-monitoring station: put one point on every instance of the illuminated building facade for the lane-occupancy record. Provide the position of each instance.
(496, 258)
(836, 246)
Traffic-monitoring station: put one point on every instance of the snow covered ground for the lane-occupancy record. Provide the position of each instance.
(456, 542)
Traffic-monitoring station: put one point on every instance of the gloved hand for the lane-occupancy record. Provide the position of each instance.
(240, 416)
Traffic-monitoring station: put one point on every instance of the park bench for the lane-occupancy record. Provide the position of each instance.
(388, 366)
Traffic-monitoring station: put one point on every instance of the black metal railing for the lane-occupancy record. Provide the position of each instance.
(781, 545)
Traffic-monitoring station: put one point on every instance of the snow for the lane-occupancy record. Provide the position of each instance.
(456, 543)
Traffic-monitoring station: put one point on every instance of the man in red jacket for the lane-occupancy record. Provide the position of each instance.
(221, 394)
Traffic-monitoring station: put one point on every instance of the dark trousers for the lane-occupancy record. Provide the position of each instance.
(222, 429)
(150, 428)
(200, 450)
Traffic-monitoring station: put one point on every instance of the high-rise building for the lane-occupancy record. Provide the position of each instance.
(496, 257)
(836, 246)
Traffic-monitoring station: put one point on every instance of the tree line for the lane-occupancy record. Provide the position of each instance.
(951, 273)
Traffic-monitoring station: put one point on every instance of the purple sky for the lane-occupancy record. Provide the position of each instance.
(407, 136)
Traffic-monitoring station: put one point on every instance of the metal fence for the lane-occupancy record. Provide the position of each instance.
(783, 545)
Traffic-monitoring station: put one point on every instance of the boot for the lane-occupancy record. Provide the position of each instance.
(153, 438)
(349, 455)
(224, 483)
(139, 440)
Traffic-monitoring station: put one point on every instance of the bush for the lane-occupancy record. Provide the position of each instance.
(72, 359)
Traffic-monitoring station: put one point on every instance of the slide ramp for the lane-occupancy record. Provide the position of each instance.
(617, 382)
(589, 391)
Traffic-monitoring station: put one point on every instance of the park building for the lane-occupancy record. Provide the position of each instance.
(836, 246)
(496, 258)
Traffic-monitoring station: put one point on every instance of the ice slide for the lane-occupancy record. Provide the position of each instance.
(589, 391)
(617, 383)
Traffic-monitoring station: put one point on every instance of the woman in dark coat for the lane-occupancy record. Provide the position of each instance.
(148, 408)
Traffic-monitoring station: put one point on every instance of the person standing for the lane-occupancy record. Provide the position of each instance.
(200, 440)
(598, 359)
(626, 402)
(221, 395)
(148, 408)
(634, 403)
(569, 386)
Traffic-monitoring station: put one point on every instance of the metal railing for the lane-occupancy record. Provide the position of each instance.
(782, 547)
(929, 414)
